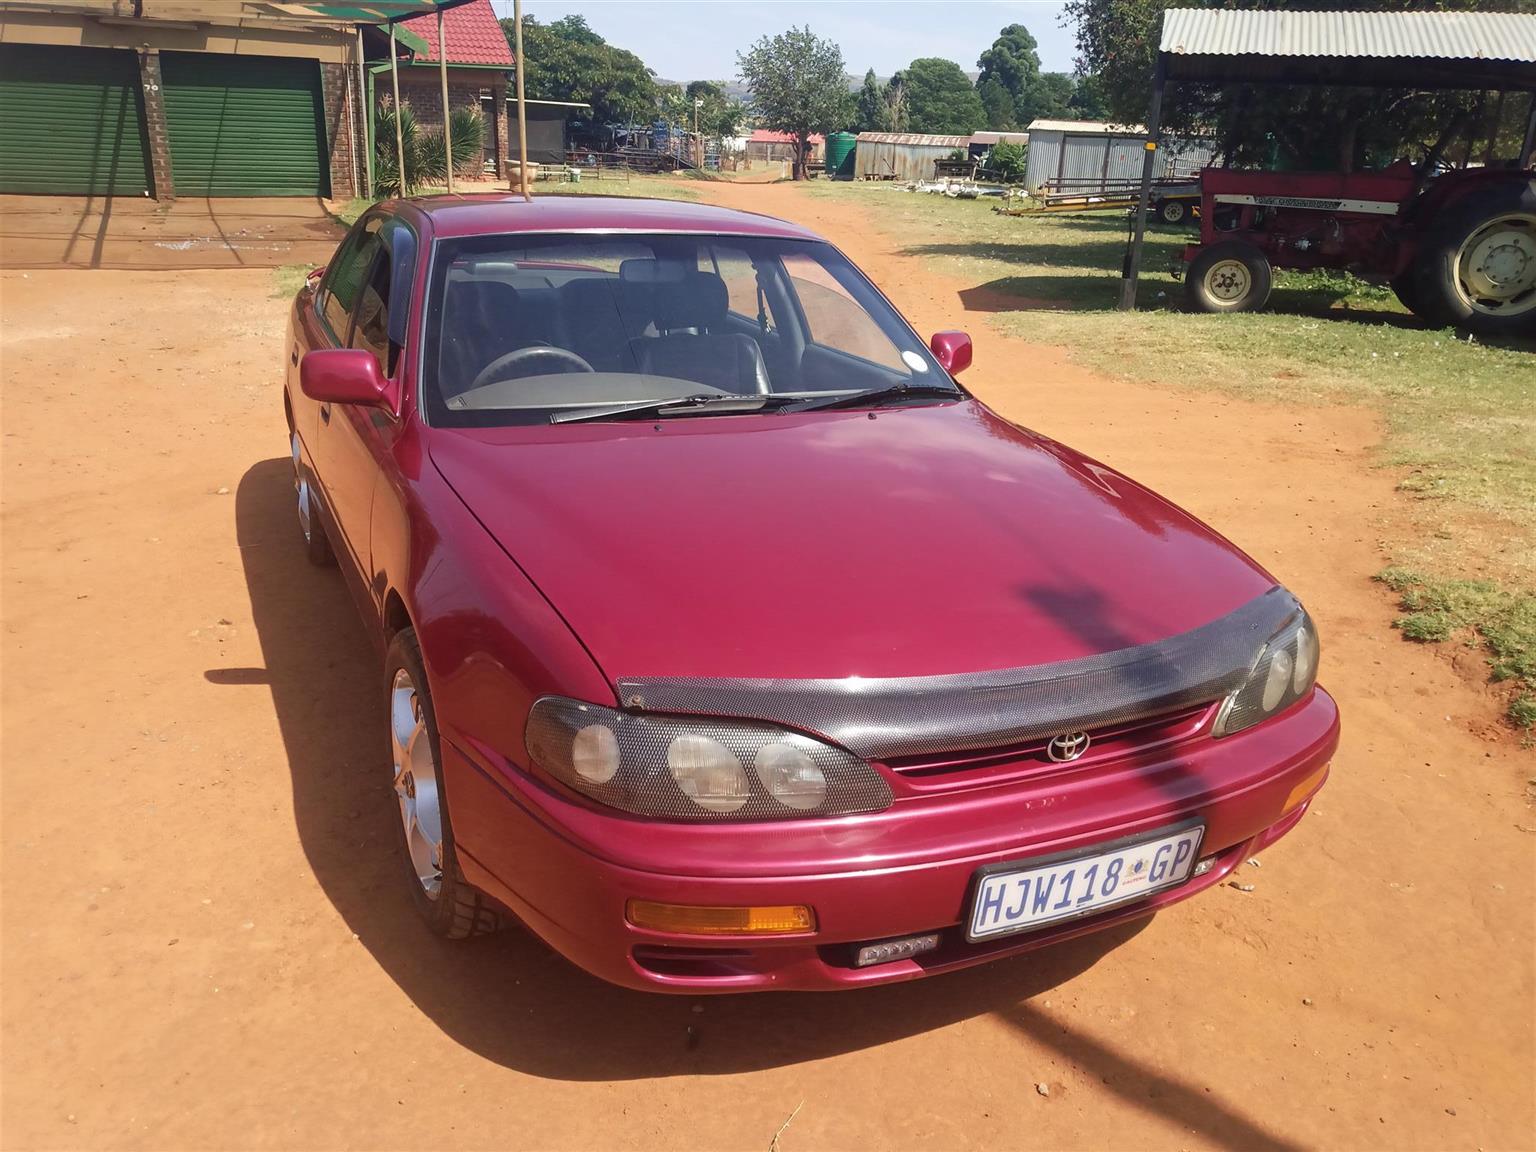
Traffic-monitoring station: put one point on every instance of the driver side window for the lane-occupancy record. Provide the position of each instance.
(344, 279)
(370, 330)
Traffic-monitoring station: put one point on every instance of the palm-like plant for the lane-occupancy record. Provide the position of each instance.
(426, 162)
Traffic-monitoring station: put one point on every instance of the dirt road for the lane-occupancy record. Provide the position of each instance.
(205, 944)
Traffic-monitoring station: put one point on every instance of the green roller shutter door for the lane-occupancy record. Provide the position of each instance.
(71, 121)
(244, 125)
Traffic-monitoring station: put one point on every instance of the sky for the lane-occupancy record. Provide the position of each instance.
(698, 39)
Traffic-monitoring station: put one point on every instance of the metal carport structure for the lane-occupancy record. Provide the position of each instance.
(1474, 51)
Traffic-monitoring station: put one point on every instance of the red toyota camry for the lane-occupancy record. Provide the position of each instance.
(729, 643)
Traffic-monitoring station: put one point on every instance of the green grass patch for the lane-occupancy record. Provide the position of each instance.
(1500, 621)
(287, 280)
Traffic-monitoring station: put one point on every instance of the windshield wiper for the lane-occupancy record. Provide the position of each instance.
(671, 406)
(874, 396)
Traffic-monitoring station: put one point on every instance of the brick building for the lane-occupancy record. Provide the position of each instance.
(479, 61)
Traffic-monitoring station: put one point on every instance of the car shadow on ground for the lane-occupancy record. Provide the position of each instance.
(507, 997)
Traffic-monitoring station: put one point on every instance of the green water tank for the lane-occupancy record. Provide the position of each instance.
(840, 155)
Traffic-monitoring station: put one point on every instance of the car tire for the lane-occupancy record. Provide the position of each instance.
(1497, 225)
(317, 545)
(1172, 211)
(1232, 276)
(447, 903)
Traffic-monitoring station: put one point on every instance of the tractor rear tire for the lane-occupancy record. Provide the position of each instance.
(1404, 287)
(1232, 276)
(1476, 269)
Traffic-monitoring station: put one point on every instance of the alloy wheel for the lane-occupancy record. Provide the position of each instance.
(416, 783)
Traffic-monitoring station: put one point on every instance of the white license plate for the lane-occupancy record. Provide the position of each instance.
(1019, 897)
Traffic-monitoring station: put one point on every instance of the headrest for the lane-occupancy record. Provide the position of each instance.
(482, 300)
(697, 300)
(650, 271)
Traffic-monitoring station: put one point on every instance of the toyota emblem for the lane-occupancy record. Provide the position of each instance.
(1067, 746)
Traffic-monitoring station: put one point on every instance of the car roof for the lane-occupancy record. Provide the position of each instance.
(494, 214)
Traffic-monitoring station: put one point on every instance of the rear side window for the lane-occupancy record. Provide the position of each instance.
(344, 280)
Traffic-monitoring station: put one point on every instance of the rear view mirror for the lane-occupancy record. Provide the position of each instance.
(952, 350)
(345, 376)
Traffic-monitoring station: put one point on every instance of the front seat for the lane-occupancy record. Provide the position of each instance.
(479, 325)
(692, 343)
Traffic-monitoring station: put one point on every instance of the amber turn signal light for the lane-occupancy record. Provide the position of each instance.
(1305, 789)
(772, 920)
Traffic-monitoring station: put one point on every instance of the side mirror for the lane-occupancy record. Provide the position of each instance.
(952, 350)
(345, 376)
(313, 275)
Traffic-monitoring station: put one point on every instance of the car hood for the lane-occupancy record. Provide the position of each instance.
(907, 542)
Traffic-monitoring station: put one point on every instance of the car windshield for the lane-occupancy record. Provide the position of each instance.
(521, 327)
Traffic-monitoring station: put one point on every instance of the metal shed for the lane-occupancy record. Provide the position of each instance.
(1089, 155)
(902, 155)
(1474, 51)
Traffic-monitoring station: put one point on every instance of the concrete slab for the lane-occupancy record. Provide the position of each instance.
(134, 232)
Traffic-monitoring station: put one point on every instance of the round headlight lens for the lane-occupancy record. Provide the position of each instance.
(1306, 660)
(708, 773)
(595, 753)
(790, 776)
(1278, 682)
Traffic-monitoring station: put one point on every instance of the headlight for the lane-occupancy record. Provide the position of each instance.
(699, 770)
(1284, 672)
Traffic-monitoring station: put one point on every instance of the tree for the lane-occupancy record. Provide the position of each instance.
(871, 112)
(719, 116)
(1306, 126)
(799, 86)
(426, 161)
(1047, 98)
(1013, 61)
(896, 102)
(1009, 161)
(1087, 102)
(997, 102)
(940, 98)
(566, 60)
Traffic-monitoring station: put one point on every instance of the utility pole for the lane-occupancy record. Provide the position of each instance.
(442, 75)
(522, 119)
(698, 143)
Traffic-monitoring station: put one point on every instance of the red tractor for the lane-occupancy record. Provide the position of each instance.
(1458, 247)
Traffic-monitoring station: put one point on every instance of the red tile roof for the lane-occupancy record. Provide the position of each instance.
(474, 36)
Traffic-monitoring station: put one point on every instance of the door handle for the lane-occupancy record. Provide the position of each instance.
(325, 413)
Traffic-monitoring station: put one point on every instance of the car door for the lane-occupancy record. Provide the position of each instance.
(352, 440)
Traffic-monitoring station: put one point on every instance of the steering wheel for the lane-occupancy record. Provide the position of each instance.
(495, 370)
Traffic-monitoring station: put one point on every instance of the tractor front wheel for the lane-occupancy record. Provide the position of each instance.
(1477, 267)
(1231, 276)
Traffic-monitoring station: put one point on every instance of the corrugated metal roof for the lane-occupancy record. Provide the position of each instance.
(1087, 127)
(1383, 35)
(999, 137)
(911, 138)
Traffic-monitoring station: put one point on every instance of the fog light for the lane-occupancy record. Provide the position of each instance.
(772, 920)
(903, 949)
(1204, 866)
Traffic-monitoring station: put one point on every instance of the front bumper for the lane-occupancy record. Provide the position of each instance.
(567, 871)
